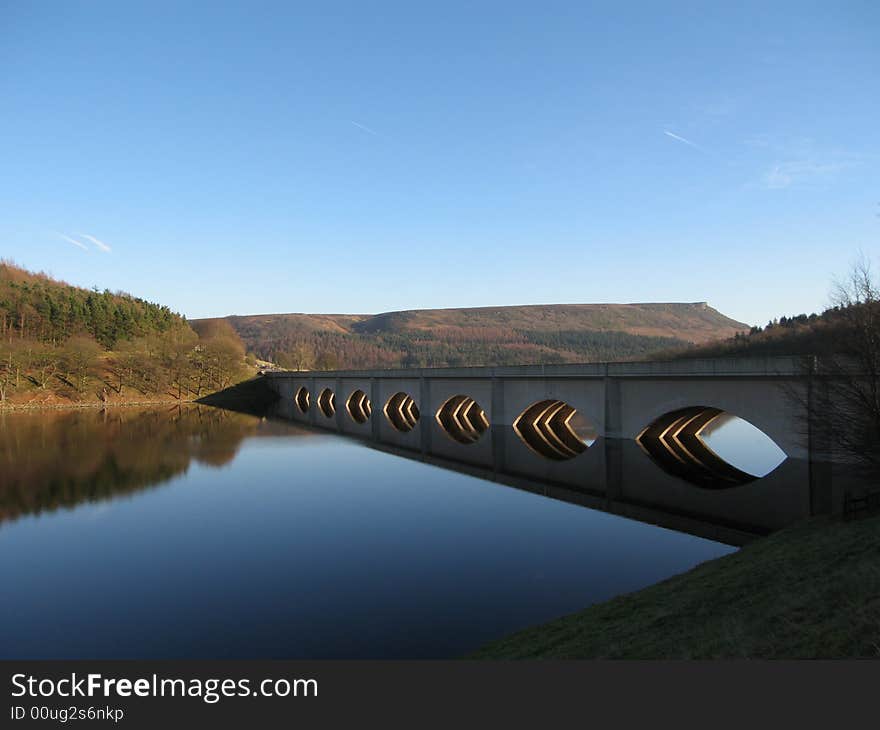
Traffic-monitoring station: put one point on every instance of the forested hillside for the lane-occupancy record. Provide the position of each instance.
(62, 344)
(481, 336)
(814, 334)
(34, 306)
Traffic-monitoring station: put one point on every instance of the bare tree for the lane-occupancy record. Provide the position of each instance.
(844, 406)
(78, 360)
(299, 356)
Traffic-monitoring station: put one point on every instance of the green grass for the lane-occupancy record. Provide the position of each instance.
(811, 591)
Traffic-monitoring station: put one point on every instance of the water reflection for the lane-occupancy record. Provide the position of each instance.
(742, 445)
(693, 489)
(265, 543)
(51, 460)
(462, 419)
(554, 429)
(686, 443)
(55, 459)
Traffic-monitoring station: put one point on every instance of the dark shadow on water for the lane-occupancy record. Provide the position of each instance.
(251, 396)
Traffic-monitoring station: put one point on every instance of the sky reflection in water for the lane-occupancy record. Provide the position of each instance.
(265, 540)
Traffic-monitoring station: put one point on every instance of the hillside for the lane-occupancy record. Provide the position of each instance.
(61, 344)
(814, 334)
(35, 306)
(555, 333)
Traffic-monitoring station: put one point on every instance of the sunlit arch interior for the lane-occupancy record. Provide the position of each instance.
(359, 407)
(402, 412)
(327, 402)
(462, 419)
(710, 447)
(303, 400)
(554, 429)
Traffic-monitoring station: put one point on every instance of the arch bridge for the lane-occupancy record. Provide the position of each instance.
(549, 421)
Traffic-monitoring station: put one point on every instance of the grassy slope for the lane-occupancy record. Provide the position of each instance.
(809, 591)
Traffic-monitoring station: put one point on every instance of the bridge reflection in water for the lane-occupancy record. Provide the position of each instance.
(618, 476)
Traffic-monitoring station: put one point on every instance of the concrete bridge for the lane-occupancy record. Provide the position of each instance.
(618, 400)
(538, 423)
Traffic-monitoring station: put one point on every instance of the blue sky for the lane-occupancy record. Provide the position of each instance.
(363, 157)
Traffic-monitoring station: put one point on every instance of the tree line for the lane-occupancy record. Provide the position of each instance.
(800, 334)
(74, 344)
(37, 307)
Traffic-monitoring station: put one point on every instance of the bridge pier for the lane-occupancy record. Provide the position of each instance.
(340, 405)
(613, 414)
(427, 416)
(375, 400)
(499, 436)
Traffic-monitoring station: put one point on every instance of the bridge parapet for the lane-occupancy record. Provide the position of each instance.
(772, 367)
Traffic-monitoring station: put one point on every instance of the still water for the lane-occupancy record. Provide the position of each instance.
(201, 533)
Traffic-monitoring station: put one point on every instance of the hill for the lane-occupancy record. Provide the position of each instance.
(814, 334)
(61, 344)
(38, 307)
(554, 333)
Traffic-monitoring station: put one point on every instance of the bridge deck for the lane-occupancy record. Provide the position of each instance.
(765, 367)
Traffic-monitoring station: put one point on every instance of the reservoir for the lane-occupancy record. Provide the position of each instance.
(196, 532)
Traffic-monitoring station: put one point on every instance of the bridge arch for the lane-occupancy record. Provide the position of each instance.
(402, 412)
(766, 405)
(462, 419)
(359, 406)
(554, 429)
(691, 443)
(327, 403)
(302, 399)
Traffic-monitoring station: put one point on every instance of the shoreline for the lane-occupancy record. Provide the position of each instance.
(4, 408)
(250, 392)
(809, 591)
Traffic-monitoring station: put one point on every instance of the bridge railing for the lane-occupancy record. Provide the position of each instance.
(786, 366)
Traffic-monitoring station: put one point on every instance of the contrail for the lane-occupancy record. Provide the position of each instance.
(100, 244)
(73, 241)
(364, 127)
(686, 141)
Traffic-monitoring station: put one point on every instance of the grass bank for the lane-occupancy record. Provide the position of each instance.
(811, 591)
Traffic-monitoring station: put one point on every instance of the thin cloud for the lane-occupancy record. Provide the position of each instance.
(99, 244)
(364, 127)
(798, 161)
(73, 241)
(684, 141)
(786, 174)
